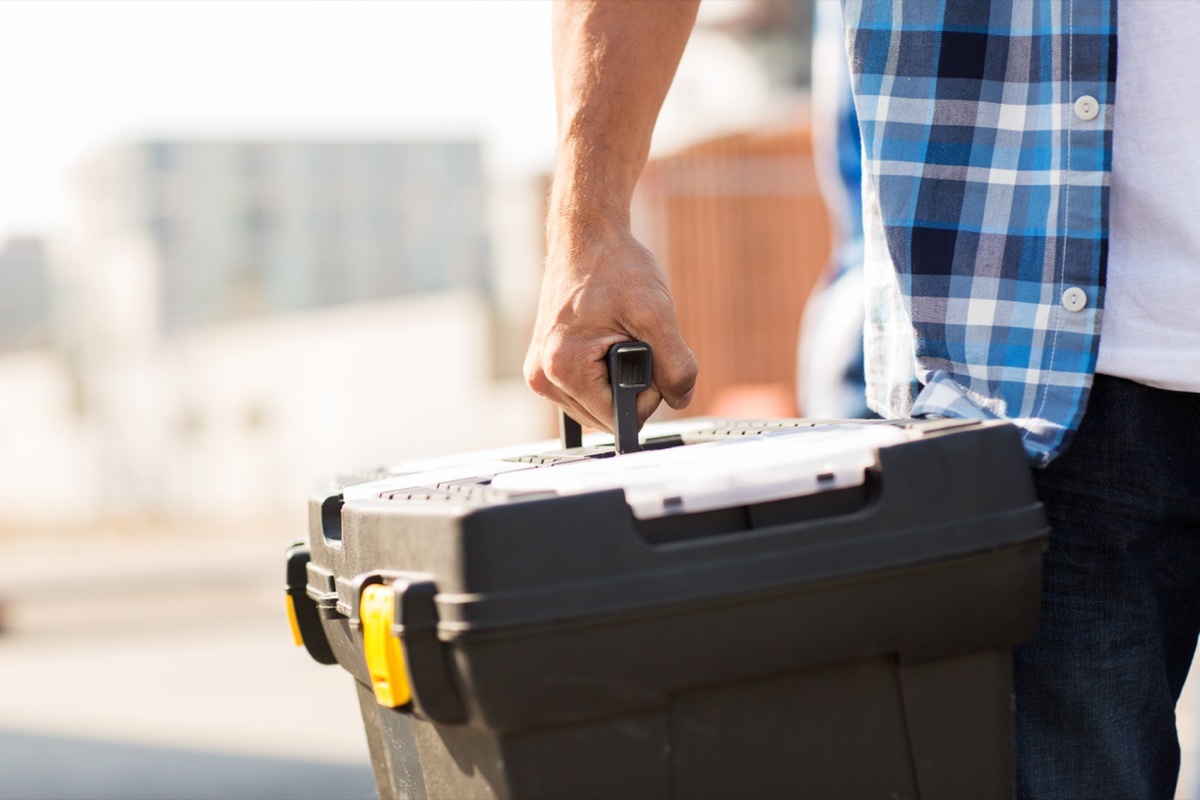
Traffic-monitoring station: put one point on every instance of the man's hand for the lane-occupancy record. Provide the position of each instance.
(613, 64)
(601, 288)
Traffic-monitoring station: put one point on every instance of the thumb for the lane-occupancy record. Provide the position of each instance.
(675, 368)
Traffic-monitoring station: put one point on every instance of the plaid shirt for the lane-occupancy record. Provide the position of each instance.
(987, 141)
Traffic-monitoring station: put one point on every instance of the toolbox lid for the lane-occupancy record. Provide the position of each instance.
(720, 474)
(708, 475)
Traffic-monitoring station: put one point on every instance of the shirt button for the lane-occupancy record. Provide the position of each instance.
(1087, 107)
(1074, 299)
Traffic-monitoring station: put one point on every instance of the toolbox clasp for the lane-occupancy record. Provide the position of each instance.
(398, 618)
(384, 652)
(303, 614)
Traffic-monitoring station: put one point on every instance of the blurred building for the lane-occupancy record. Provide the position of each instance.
(24, 294)
(244, 229)
(740, 227)
(776, 33)
(232, 320)
(733, 212)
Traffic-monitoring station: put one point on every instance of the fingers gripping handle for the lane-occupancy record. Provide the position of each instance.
(630, 365)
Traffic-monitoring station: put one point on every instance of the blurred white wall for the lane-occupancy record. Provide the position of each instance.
(47, 467)
(264, 407)
(239, 419)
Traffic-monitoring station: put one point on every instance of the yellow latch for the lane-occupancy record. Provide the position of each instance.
(383, 651)
(291, 608)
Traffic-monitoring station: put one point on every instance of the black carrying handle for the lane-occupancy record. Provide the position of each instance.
(630, 365)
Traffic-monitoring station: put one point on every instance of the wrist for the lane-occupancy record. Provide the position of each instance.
(594, 177)
(578, 220)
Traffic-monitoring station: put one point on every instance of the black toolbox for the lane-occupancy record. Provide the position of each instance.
(784, 608)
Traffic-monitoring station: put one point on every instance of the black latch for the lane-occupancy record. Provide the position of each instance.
(302, 609)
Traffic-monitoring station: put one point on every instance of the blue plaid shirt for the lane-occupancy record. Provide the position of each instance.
(987, 147)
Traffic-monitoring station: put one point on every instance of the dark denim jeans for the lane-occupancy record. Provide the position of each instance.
(1096, 690)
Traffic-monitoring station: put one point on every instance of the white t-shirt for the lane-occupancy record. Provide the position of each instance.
(1150, 331)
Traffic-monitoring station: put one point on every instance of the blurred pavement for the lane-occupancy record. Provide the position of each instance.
(158, 663)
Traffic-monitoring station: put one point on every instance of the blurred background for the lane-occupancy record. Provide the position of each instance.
(243, 245)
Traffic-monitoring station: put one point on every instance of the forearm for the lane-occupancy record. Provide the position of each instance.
(613, 64)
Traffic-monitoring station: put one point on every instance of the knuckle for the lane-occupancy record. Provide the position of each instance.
(539, 383)
(535, 376)
(559, 359)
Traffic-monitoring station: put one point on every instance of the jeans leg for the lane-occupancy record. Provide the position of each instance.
(1096, 690)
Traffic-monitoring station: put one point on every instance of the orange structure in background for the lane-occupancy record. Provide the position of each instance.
(740, 227)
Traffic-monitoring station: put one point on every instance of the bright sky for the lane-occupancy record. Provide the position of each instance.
(76, 76)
